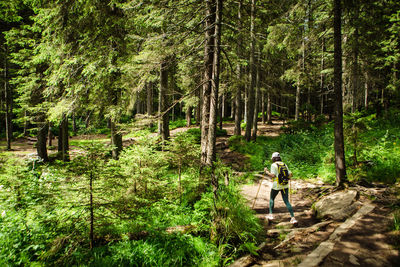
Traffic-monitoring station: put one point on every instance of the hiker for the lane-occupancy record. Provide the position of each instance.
(280, 175)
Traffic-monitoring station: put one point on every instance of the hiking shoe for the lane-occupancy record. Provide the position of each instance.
(293, 220)
(270, 217)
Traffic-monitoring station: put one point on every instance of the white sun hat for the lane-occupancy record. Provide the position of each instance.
(275, 155)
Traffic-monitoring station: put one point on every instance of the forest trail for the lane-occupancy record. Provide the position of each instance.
(365, 239)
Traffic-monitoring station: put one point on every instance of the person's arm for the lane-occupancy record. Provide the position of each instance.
(290, 173)
(268, 173)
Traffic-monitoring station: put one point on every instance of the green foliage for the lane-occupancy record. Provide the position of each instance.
(45, 209)
(236, 221)
(254, 150)
(396, 220)
(178, 123)
(159, 250)
(309, 153)
(221, 132)
(298, 126)
(196, 132)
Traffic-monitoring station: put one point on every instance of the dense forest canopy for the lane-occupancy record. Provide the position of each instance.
(109, 60)
(128, 68)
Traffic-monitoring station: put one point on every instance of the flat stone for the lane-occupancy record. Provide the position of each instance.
(337, 206)
(284, 225)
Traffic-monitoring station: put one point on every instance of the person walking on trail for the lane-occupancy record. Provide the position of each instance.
(280, 175)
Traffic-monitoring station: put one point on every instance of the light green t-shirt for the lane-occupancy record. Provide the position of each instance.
(275, 184)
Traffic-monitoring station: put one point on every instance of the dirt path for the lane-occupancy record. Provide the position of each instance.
(366, 240)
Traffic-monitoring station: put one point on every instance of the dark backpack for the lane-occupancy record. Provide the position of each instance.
(283, 173)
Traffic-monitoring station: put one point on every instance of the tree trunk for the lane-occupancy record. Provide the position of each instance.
(298, 93)
(340, 163)
(189, 116)
(355, 66)
(221, 111)
(208, 69)
(50, 135)
(263, 106)
(366, 90)
(87, 120)
(238, 112)
(251, 97)
(149, 104)
(163, 122)
(116, 140)
(257, 98)
(322, 81)
(198, 109)
(238, 96)
(269, 108)
(212, 133)
(63, 139)
(8, 100)
(233, 107)
(42, 141)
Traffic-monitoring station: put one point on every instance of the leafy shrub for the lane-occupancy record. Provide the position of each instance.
(196, 132)
(177, 124)
(159, 250)
(236, 223)
(221, 132)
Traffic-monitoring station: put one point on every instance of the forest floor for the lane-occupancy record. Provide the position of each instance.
(363, 240)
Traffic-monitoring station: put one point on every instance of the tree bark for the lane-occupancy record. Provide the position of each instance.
(269, 108)
(208, 69)
(116, 140)
(212, 133)
(251, 97)
(189, 116)
(63, 139)
(41, 145)
(298, 93)
(263, 106)
(163, 122)
(322, 81)
(355, 66)
(8, 100)
(238, 96)
(199, 107)
(233, 107)
(257, 98)
(149, 104)
(340, 163)
(50, 135)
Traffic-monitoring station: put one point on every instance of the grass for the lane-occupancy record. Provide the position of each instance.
(396, 220)
(84, 142)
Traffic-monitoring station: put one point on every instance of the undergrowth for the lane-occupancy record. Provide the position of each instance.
(143, 213)
(372, 149)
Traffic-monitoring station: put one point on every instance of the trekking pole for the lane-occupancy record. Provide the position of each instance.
(290, 200)
(254, 202)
